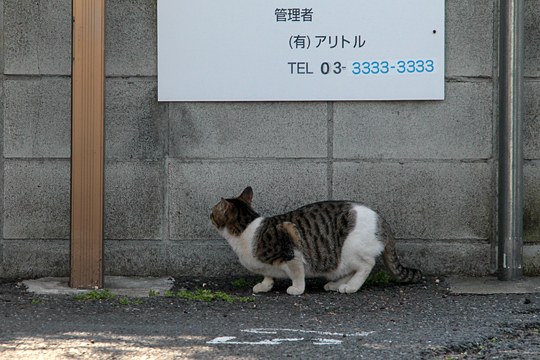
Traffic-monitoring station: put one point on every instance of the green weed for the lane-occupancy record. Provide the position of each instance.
(209, 295)
(127, 301)
(379, 278)
(104, 294)
(96, 295)
(36, 301)
(153, 293)
(241, 283)
(124, 301)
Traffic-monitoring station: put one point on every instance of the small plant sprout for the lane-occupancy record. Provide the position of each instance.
(124, 301)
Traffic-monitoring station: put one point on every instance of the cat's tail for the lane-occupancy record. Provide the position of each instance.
(399, 272)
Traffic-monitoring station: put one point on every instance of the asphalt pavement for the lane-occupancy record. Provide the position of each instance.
(221, 319)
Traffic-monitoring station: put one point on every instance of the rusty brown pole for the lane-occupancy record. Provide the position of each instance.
(87, 137)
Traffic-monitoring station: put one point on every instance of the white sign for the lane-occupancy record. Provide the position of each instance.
(258, 50)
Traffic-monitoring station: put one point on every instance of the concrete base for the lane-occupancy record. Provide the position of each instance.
(118, 285)
(492, 285)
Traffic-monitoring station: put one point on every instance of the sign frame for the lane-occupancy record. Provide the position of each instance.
(344, 50)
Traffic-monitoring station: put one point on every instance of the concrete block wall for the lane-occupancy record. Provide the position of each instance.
(429, 167)
(1, 130)
(36, 71)
(532, 137)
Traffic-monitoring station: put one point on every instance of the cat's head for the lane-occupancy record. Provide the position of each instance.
(235, 214)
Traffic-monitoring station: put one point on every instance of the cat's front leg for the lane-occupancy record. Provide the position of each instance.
(264, 286)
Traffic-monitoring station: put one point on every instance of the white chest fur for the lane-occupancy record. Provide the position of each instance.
(242, 244)
(243, 247)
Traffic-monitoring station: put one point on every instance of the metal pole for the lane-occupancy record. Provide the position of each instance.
(510, 209)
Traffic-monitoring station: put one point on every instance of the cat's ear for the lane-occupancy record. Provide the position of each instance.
(247, 195)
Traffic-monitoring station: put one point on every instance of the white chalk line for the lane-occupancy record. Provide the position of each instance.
(231, 340)
(322, 333)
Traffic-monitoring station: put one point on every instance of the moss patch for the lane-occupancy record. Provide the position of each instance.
(209, 295)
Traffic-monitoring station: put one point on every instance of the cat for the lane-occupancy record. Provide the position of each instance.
(338, 240)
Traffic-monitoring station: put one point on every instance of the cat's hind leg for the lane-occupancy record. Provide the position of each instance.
(264, 286)
(358, 278)
(334, 285)
(295, 271)
(293, 268)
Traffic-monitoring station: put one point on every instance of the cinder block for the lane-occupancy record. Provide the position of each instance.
(203, 258)
(531, 211)
(469, 38)
(133, 200)
(2, 51)
(37, 37)
(531, 121)
(35, 258)
(135, 124)
(131, 37)
(532, 34)
(37, 118)
(458, 128)
(531, 259)
(446, 258)
(2, 102)
(2, 97)
(423, 200)
(36, 199)
(248, 129)
(186, 258)
(278, 186)
(135, 258)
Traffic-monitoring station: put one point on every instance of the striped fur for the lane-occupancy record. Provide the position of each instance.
(338, 240)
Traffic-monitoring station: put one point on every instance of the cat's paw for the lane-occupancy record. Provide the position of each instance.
(347, 289)
(291, 290)
(331, 286)
(263, 287)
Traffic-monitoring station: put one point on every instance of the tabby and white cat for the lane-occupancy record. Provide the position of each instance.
(338, 240)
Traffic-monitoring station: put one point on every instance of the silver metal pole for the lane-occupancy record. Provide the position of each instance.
(510, 209)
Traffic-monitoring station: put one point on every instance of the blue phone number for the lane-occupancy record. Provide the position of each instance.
(386, 67)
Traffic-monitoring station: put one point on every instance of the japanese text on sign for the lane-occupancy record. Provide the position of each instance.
(294, 14)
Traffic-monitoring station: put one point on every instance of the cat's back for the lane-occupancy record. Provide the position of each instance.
(323, 222)
(325, 208)
(327, 211)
